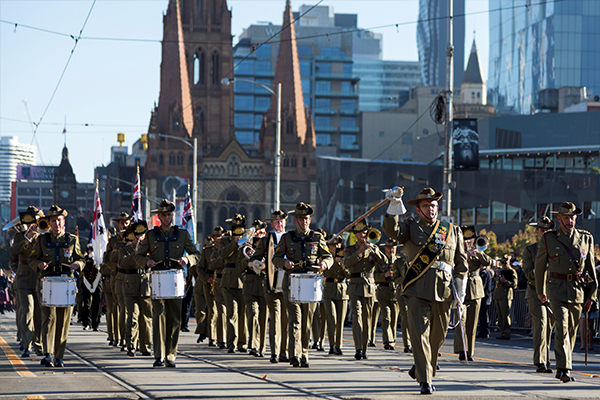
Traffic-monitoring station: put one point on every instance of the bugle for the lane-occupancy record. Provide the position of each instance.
(373, 235)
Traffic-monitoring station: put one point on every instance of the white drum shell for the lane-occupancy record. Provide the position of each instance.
(306, 288)
(59, 291)
(168, 284)
(279, 275)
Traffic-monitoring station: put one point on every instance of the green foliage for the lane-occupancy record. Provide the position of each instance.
(516, 245)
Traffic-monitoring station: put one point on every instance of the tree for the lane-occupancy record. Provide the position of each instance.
(523, 239)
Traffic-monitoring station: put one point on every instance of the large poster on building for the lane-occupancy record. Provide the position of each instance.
(35, 173)
(465, 144)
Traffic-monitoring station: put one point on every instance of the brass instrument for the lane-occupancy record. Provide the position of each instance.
(373, 235)
(43, 225)
(482, 242)
(246, 242)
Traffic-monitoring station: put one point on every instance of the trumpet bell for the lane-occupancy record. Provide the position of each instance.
(482, 242)
(373, 235)
(43, 225)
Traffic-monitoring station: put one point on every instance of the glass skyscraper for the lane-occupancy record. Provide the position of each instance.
(539, 46)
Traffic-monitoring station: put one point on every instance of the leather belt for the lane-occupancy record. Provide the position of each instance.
(131, 271)
(23, 262)
(385, 284)
(565, 277)
(361, 275)
(250, 272)
(334, 280)
(230, 265)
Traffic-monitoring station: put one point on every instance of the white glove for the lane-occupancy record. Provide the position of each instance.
(461, 289)
(396, 206)
(257, 266)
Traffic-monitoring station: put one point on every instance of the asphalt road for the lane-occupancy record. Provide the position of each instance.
(502, 369)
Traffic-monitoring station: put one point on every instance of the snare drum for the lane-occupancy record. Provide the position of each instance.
(279, 275)
(306, 288)
(59, 291)
(168, 284)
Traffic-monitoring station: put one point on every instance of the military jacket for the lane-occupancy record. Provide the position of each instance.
(361, 267)
(385, 285)
(475, 284)
(553, 258)
(230, 252)
(303, 248)
(19, 253)
(334, 285)
(201, 270)
(136, 281)
(434, 284)
(58, 252)
(154, 247)
(529, 254)
(109, 261)
(217, 265)
(399, 270)
(505, 290)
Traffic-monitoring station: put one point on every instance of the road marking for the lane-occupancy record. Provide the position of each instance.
(16, 362)
(35, 397)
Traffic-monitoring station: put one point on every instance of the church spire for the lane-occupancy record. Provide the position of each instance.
(175, 111)
(473, 71)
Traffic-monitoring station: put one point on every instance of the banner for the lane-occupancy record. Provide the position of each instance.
(136, 201)
(187, 220)
(465, 144)
(35, 173)
(99, 234)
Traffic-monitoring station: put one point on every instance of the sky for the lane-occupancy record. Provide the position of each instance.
(107, 81)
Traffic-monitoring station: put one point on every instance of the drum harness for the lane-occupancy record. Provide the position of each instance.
(57, 268)
(308, 238)
(166, 239)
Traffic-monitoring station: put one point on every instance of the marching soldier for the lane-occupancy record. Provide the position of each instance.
(386, 296)
(437, 250)
(136, 292)
(542, 319)
(335, 296)
(28, 310)
(563, 258)
(361, 260)
(476, 258)
(163, 248)
(203, 307)
(217, 265)
(55, 253)
(91, 293)
(232, 285)
(298, 251)
(278, 338)
(186, 304)
(399, 272)
(506, 282)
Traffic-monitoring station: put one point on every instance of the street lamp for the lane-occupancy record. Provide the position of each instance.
(194, 146)
(277, 174)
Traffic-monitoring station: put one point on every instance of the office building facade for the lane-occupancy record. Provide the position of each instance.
(13, 153)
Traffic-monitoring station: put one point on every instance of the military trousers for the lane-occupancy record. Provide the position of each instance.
(186, 306)
(26, 315)
(542, 322)
(388, 307)
(470, 315)
(237, 332)
(319, 324)
(403, 311)
(503, 313)
(201, 309)
(110, 316)
(278, 324)
(139, 323)
(91, 307)
(119, 304)
(300, 319)
(335, 310)
(166, 322)
(375, 312)
(211, 312)
(256, 317)
(221, 312)
(55, 329)
(428, 324)
(566, 316)
(362, 309)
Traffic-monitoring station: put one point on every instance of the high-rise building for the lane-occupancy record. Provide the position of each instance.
(432, 39)
(13, 153)
(546, 45)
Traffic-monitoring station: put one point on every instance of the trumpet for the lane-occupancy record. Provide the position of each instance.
(482, 242)
(373, 235)
(43, 225)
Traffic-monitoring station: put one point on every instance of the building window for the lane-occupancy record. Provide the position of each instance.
(262, 103)
(348, 122)
(323, 139)
(264, 51)
(200, 120)
(303, 162)
(245, 137)
(161, 159)
(348, 142)
(171, 159)
(305, 68)
(263, 66)
(191, 160)
(245, 67)
(244, 120)
(304, 49)
(348, 104)
(245, 103)
(289, 125)
(200, 8)
(407, 138)
(214, 68)
(323, 87)
(286, 162)
(175, 124)
(199, 68)
(305, 86)
(323, 68)
(294, 162)
(323, 122)
(323, 104)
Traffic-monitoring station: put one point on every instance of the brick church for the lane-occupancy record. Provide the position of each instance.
(197, 53)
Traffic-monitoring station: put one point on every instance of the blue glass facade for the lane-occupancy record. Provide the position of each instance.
(547, 45)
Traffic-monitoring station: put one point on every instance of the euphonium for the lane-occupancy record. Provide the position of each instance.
(373, 235)
(482, 242)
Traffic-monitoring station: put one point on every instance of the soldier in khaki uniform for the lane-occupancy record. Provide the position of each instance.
(398, 276)
(506, 282)
(427, 285)
(109, 271)
(163, 248)
(217, 266)
(201, 275)
(136, 292)
(386, 296)
(231, 284)
(563, 257)
(55, 253)
(542, 318)
(28, 310)
(470, 310)
(278, 337)
(335, 296)
(299, 252)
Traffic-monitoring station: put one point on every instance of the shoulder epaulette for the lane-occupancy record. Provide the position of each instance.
(583, 232)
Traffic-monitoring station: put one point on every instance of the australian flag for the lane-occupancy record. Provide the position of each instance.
(187, 220)
(99, 234)
(136, 202)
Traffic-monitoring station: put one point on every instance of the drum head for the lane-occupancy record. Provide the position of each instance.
(269, 262)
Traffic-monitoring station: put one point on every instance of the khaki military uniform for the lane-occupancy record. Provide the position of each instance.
(231, 284)
(388, 304)
(91, 301)
(118, 296)
(335, 303)
(470, 310)
(503, 296)
(138, 305)
(429, 298)
(542, 319)
(55, 320)
(109, 271)
(556, 277)
(309, 247)
(29, 313)
(166, 313)
(399, 271)
(201, 274)
(278, 321)
(217, 265)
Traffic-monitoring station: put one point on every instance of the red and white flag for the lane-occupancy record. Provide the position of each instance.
(136, 201)
(99, 234)
(187, 220)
